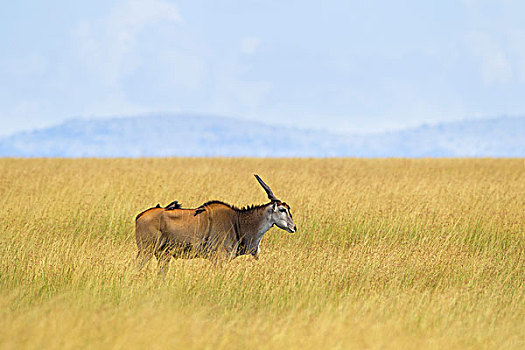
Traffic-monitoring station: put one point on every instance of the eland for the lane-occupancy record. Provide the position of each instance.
(215, 230)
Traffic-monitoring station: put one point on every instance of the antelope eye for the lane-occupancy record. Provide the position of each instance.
(282, 210)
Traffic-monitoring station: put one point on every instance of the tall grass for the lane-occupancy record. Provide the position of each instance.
(388, 254)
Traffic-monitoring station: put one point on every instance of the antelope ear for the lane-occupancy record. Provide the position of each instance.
(274, 206)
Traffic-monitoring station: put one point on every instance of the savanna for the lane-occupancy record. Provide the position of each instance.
(388, 253)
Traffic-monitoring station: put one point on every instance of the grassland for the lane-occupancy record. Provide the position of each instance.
(388, 254)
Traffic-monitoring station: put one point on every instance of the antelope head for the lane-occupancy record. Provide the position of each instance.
(279, 212)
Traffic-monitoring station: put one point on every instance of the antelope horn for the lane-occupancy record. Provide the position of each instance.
(266, 188)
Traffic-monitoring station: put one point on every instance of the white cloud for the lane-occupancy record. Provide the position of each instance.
(29, 65)
(233, 95)
(494, 63)
(517, 47)
(106, 45)
(182, 70)
(113, 50)
(249, 44)
(114, 104)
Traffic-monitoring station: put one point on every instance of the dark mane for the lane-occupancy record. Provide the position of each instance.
(176, 205)
(201, 208)
(252, 207)
(216, 202)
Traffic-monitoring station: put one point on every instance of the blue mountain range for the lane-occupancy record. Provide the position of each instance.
(166, 135)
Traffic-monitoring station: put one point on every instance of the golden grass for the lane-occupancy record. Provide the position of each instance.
(388, 254)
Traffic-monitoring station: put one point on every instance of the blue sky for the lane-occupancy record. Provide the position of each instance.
(338, 65)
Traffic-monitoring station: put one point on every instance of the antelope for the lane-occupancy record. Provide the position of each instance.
(214, 230)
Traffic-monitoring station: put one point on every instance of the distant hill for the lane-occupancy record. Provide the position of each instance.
(194, 135)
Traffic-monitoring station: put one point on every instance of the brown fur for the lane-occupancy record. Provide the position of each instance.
(213, 230)
(220, 231)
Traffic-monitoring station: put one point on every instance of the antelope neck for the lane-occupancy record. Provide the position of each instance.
(253, 224)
